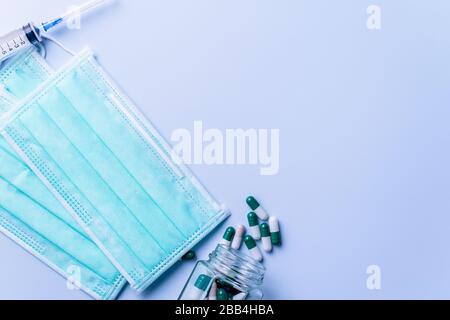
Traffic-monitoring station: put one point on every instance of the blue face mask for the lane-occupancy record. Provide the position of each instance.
(5, 103)
(110, 168)
(30, 214)
(22, 74)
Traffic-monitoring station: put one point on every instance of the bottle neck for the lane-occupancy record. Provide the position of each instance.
(241, 270)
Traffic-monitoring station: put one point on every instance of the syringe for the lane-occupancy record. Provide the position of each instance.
(29, 35)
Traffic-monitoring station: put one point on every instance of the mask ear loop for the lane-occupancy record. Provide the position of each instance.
(43, 50)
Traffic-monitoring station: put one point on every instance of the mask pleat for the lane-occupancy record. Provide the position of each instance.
(97, 283)
(141, 159)
(72, 199)
(4, 104)
(56, 231)
(20, 83)
(19, 175)
(48, 135)
(114, 173)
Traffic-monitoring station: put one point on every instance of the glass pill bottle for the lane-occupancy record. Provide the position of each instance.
(227, 275)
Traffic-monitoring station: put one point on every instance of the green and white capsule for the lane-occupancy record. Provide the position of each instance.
(257, 208)
(228, 237)
(254, 225)
(222, 294)
(275, 234)
(238, 237)
(191, 255)
(198, 290)
(265, 237)
(253, 248)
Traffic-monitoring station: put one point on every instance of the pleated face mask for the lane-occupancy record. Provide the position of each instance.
(5, 103)
(110, 169)
(29, 213)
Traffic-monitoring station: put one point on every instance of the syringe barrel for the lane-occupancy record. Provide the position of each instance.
(18, 40)
(13, 42)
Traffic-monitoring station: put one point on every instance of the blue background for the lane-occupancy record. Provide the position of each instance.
(363, 116)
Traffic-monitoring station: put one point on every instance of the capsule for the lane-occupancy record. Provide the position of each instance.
(265, 237)
(254, 225)
(238, 237)
(189, 256)
(253, 248)
(213, 292)
(222, 294)
(239, 296)
(221, 283)
(275, 234)
(198, 290)
(228, 237)
(257, 208)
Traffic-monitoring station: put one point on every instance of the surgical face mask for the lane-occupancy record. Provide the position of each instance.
(5, 103)
(109, 167)
(31, 216)
(22, 74)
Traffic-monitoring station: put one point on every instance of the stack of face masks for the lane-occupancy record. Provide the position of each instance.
(87, 185)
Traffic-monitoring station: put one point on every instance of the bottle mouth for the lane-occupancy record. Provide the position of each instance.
(239, 268)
